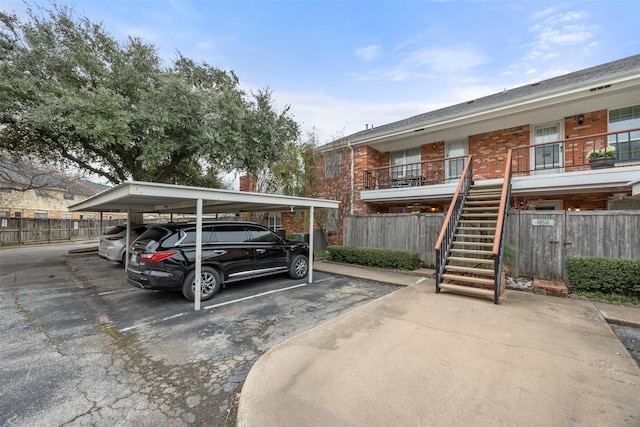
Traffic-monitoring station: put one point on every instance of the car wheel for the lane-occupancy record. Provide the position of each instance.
(299, 267)
(209, 282)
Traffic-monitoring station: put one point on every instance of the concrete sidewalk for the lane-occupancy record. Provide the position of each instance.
(415, 358)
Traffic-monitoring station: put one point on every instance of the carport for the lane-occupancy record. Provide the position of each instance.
(150, 197)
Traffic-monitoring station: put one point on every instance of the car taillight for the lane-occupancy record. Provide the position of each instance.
(157, 256)
(113, 238)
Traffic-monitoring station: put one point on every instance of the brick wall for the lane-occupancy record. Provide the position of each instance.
(490, 149)
(248, 183)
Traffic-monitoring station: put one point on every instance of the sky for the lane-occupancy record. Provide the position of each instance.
(344, 65)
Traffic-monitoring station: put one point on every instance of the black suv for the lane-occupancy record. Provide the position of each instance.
(163, 257)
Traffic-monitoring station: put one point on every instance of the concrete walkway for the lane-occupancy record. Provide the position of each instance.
(416, 358)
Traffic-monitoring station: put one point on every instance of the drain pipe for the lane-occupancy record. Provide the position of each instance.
(351, 195)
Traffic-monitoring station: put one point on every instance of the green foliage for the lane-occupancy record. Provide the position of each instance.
(71, 93)
(293, 171)
(617, 298)
(393, 259)
(318, 255)
(603, 275)
(608, 151)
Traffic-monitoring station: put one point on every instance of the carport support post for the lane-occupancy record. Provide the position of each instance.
(127, 236)
(198, 290)
(310, 273)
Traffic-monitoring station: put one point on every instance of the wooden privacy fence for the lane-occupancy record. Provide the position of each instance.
(542, 238)
(21, 231)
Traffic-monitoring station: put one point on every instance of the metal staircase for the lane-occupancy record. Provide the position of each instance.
(469, 252)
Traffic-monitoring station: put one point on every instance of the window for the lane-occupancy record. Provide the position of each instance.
(4, 214)
(404, 170)
(190, 236)
(67, 216)
(546, 157)
(332, 163)
(231, 233)
(627, 143)
(455, 166)
(259, 235)
(40, 215)
(275, 221)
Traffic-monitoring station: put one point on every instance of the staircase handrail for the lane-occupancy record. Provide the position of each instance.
(502, 212)
(501, 230)
(449, 227)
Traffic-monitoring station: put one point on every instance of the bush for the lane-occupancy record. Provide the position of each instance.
(604, 275)
(393, 259)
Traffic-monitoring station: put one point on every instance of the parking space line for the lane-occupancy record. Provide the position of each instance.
(255, 296)
(226, 303)
(117, 292)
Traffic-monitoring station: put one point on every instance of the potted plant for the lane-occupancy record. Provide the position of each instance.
(602, 158)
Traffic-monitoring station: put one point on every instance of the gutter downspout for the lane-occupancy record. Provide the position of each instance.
(352, 184)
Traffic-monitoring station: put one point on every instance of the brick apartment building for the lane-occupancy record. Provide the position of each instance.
(413, 165)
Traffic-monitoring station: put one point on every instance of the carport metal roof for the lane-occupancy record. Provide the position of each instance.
(150, 197)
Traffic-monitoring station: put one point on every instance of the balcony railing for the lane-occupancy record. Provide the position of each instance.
(570, 155)
(416, 174)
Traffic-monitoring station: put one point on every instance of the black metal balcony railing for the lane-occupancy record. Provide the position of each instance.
(415, 174)
(569, 155)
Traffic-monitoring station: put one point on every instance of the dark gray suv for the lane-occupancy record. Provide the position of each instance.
(163, 257)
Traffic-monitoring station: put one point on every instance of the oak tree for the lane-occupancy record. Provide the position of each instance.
(71, 93)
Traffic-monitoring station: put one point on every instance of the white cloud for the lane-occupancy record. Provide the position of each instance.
(369, 53)
(330, 117)
(561, 29)
(427, 63)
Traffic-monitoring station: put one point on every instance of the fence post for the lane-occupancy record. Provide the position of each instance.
(49, 221)
(20, 230)
(70, 221)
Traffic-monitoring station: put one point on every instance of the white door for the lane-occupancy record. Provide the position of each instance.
(453, 167)
(546, 158)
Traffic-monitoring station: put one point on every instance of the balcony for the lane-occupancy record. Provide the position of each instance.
(551, 168)
(571, 155)
(418, 174)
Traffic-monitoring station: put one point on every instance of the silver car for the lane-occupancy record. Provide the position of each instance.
(112, 245)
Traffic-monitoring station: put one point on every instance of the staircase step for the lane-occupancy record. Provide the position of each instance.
(473, 260)
(491, 229)
(485, 244)
(485, 196)
(480, 208)
(482, 202)
(468, 279)
(480, 215)
(479, 221)
(470, 252)
(473, 236)
(469, 290)
(472, 270)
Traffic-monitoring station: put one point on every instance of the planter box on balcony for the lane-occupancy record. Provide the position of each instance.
(602, 162)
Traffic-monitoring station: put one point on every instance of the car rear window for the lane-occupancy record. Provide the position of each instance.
(152, 235)
(115, 230)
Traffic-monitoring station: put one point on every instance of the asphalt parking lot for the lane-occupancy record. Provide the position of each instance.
(81, 347)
